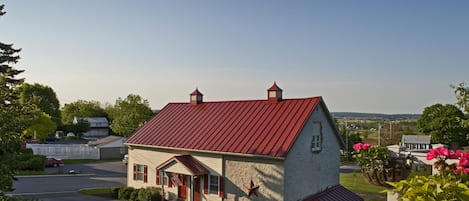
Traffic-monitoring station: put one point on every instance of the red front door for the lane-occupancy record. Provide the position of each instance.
(196, 189)
(182, 190)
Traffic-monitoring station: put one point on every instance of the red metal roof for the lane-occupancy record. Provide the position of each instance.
(255, 127)
(335, 193)
(189, 162)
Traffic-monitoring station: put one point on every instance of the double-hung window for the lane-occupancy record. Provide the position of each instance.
(139, 172)
(214, 182)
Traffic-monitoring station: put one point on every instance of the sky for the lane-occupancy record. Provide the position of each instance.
(360, 56)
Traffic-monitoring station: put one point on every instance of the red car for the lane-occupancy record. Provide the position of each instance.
(53, 162)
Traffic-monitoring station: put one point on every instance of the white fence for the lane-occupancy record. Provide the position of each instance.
(65, 151)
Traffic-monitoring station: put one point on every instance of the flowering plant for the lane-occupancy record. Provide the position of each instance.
(442, 153)
(370, 157)
(450, 184)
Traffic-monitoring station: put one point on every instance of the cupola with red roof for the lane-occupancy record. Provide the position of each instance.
(274, 94)
(196, 97)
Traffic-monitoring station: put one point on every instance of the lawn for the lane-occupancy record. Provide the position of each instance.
(101, 192)
(355, 182)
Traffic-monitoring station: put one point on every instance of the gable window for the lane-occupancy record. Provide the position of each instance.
(214, 181)
(316, 142)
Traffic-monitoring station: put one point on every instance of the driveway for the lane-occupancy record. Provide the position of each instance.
(66, 187)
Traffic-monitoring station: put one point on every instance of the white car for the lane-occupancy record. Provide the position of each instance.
(125, 160)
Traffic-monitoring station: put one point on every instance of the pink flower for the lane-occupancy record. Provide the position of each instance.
(466, 170)
(431, 154)
(357, 147)
(366, 146)
(463, 162)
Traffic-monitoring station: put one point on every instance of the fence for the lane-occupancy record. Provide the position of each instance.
(65, 151)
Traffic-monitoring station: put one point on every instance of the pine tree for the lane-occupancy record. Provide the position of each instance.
(13, 116)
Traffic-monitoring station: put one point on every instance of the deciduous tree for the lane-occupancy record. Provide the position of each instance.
(128, 114)
(443, 123)
(82, 108)
(41, 127)
(43, 97)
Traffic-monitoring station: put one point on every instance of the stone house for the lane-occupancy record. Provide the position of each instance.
(270, 149)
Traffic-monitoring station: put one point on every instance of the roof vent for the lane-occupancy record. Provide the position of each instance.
(196, 97)
(274, 94)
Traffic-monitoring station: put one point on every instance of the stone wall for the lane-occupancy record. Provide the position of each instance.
(265, 173)
(308, 172)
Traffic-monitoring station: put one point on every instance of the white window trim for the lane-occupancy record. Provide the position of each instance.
(315, 148)
(137, 172)
(210, 186)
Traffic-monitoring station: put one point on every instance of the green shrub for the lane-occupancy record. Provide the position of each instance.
(124, 193)
(134, 194)
(26, 161)
(115, 192)
(150, 194)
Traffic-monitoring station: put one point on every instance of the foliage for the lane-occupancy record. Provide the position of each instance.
(14, 118)
(26, 161)
(42, 97)
(462, 95)
(124, 193)
(132, 194)
(42, 126)
(81, 108)
(370, 157)
(128, 114)
(451, 182)
(443, 123)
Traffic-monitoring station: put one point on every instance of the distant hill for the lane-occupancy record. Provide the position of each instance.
(358, 115)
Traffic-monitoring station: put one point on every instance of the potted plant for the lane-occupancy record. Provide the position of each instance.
(379, 165)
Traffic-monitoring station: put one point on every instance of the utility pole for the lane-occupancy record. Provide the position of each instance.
(390, 131)
(379, 134)
(346, 139)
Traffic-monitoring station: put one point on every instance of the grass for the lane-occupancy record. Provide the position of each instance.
(27, 173)
(83, 161)
(355, 182)
(101, 192)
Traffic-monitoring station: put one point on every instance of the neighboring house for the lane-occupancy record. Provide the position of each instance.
(416, 142)
(271, 149)
(99, 126)
(110, 147)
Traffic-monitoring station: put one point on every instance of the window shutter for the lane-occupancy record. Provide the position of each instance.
(221, 192)
(135, 171)
(205, 183)
(145, 174)
(157, 177)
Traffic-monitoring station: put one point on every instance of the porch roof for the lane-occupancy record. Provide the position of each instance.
(190, 163)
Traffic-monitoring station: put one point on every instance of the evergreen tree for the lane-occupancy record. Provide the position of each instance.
(13, 116)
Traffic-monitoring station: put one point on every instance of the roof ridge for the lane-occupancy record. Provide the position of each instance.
(250, 100)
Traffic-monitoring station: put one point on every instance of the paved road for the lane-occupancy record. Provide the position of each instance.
(66, 187)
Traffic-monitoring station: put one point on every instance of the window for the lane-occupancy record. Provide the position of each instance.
(214, 181)
(316, 141)
(139, 172)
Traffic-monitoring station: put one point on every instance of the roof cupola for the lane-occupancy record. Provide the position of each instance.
(196, 97)
(274, 94)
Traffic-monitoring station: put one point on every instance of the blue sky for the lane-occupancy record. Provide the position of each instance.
(361, 56)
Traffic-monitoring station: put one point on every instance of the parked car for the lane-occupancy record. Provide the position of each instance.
(53, 162)
(125, 160)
